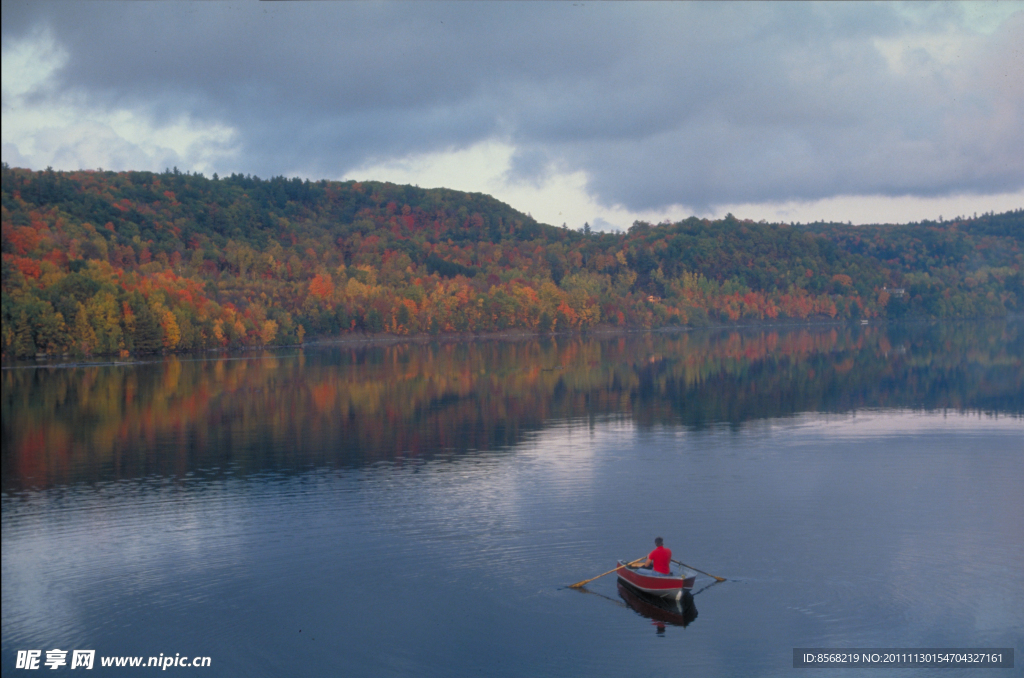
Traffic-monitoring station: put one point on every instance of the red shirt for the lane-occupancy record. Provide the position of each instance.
(661, 557)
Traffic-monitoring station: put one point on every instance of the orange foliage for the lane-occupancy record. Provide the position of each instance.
(23, 238)
(321, 287)
(28, 267)
(843, 279)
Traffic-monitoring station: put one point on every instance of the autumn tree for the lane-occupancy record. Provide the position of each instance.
(24, 343)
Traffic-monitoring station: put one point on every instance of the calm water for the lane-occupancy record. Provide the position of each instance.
(418, 510)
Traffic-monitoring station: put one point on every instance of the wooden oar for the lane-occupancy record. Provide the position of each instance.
(696, 570)
(587, 581)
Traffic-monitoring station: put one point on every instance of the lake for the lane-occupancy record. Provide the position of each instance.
(418, 509)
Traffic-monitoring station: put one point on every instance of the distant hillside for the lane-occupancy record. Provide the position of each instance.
(136, 262)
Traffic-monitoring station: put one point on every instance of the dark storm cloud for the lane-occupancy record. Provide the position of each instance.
(662, 103)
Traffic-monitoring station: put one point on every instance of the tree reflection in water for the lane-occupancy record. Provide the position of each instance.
(346, 406)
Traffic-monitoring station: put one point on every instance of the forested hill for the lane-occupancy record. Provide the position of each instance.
(136, 262)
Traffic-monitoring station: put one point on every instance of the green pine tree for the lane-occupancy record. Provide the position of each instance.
(148, 335)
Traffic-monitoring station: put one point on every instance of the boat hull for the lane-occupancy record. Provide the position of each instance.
(658, 608)
(655, 583)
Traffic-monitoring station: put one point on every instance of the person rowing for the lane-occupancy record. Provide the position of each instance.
(659, 558)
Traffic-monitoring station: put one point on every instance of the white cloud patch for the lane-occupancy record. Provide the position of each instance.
(562, 197)
(44, 126)
(557, 197)
(28, 65)
(875, 209)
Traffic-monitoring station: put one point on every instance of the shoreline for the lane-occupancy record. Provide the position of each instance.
(363, 340)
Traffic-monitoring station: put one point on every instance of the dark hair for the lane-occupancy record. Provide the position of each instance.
(658, 541)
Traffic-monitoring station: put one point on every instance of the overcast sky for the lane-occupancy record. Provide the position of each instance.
(573, 111)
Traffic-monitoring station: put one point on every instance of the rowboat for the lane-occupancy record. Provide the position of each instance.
(655, 583)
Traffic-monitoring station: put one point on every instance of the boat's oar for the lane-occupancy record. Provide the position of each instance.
(696, 570)
(587, 581)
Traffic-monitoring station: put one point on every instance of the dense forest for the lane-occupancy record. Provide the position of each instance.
(98, 263)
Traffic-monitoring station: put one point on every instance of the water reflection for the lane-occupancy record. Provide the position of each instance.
(660, 611)
(844, 530)
(348, 406)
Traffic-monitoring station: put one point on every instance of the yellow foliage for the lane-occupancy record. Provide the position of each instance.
(172, 333)
(85, 336)
(358, 290)
(268, 331)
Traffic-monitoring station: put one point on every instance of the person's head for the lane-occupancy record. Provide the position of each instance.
(658, 541)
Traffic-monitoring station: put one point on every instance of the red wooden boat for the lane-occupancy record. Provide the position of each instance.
(658, 584)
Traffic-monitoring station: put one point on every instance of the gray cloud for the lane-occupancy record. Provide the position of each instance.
(662, 103)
